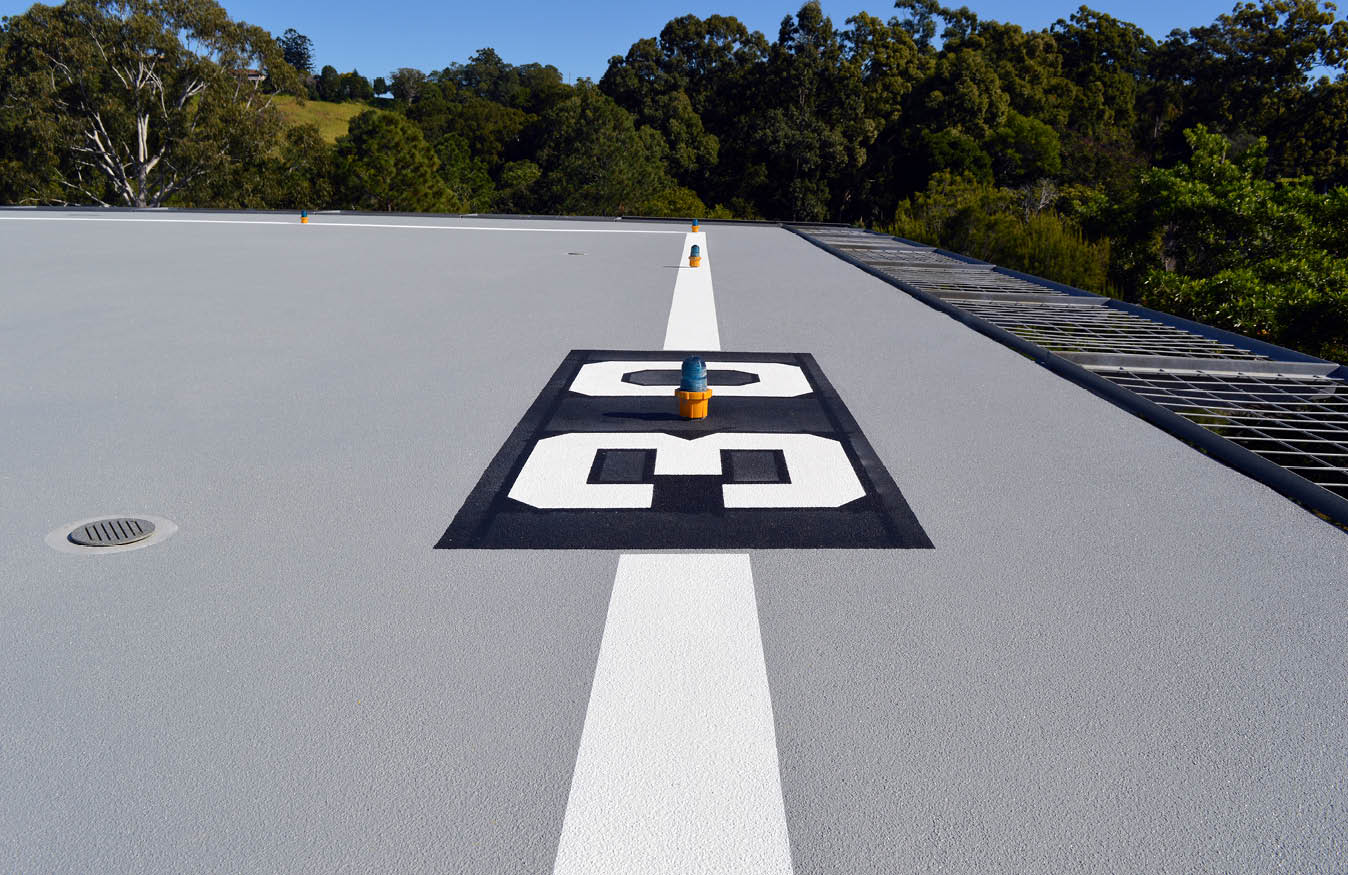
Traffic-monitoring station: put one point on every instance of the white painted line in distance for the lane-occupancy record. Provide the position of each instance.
(692, 313)
(312, 224)
(677, 770)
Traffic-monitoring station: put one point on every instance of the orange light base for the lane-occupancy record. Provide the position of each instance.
(304, 220)
(694, 261)
(693, 405)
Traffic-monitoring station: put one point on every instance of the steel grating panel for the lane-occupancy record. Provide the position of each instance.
(951, 277)
(937, 272)
(1297, 422)
(913, 255)
(958, 287)
(943, 283)
(873, 252)
(933, 280)
(926, 266)
(925, 261)
(889, 254)
(860, 236)
(1094, 329)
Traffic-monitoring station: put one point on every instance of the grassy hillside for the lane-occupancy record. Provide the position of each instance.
(332, 118)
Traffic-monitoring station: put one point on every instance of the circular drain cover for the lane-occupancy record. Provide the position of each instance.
(112, 532)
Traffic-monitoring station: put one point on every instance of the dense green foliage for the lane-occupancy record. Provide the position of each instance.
(384, 163)
(1265, 258)
(1202, 173)
(1011, 228)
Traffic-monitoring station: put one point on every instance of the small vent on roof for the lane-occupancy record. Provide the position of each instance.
(112, 532)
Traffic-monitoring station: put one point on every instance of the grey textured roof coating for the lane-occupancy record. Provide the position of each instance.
(1121, 655)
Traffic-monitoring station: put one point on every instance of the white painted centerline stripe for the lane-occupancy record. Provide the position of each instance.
(692, 314)
(677, 770)
(325, 224)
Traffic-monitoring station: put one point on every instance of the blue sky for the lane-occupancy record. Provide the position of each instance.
(579, 37)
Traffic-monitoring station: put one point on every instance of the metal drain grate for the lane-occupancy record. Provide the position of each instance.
(112, 532)
(897, 253)
(1100, 329)
(965, 284)
(1299, 422)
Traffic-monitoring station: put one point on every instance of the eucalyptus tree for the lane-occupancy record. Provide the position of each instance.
(141, 98)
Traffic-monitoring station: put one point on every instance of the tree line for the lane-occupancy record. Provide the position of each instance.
(1203, 173)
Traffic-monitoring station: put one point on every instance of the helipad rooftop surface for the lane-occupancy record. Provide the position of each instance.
(439, 581)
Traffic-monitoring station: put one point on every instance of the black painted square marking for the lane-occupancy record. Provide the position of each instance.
(623, 466)
(603, 461)
(755, 466)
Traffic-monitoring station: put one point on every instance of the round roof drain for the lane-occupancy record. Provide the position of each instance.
(112, 532)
